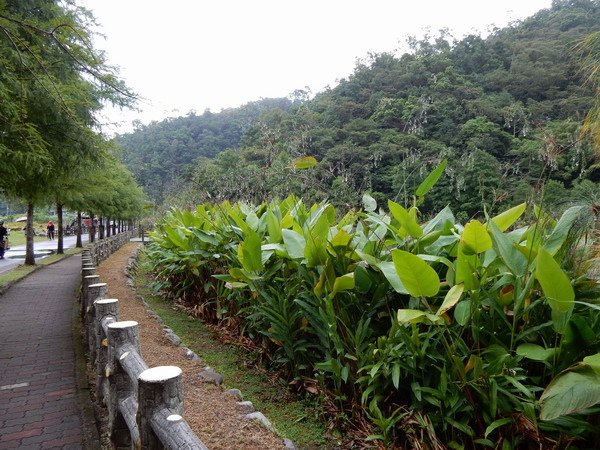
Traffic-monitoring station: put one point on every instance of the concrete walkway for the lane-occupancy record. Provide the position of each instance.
(39, 393)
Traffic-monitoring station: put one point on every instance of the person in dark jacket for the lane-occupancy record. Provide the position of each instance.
(3, 239)
(50, 230)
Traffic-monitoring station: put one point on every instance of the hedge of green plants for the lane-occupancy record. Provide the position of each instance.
(444, 335)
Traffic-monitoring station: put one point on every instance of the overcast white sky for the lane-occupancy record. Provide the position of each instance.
(184, 55)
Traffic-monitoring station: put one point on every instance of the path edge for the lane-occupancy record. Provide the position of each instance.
(89, 426)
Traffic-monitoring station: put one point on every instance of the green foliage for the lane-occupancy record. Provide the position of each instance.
(465, 326)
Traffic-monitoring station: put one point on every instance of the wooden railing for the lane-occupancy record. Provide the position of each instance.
(101, 249)
(145, 405)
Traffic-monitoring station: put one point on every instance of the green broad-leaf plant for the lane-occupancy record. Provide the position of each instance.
(474, 335)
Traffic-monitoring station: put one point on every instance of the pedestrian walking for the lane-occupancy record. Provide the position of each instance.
(50, 230)
(3, 239)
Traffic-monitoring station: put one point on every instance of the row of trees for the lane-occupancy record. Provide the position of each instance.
(52, 84)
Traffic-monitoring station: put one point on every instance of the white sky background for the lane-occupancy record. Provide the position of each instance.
(184, 55)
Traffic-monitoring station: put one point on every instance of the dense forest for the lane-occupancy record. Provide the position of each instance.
(161, 153)
(505, 111)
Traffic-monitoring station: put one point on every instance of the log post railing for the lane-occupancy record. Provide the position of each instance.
(144, 405)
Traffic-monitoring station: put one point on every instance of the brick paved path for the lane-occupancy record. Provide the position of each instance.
(38, 386)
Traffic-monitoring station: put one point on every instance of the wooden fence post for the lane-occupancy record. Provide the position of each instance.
(123, 344)
(160, 410)
(86, 281)
(95, 292)
(107, 311)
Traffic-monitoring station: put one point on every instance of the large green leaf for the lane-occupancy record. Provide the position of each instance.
(315, 252)
(249, 252)
(562, 228)
(475, 239)
(555, 283)
(406, 219)
(431, 179)
(343, 283)
(536, 352)
(294, 243)
(570, 392)
(273, 227)
(504, 220)
(369, 203)
(506, 248)
(389, 271)
(466, 266)
(416, 275)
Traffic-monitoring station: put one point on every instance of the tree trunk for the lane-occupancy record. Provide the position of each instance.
(79, 244)
(108, 227)
(100, 228)
(59, 213)
(92, 229)
(114, 227)
(29, 254)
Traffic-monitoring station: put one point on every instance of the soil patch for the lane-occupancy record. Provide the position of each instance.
(213, 415)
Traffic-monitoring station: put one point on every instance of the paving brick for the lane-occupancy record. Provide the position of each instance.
(44, 413)
(21, 434)
(62, 442)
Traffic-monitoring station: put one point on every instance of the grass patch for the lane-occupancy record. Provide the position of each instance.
(16, 274)
(294, 418)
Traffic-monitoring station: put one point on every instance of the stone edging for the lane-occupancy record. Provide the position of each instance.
(207, 374)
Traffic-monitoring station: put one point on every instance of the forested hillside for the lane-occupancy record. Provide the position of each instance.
(161, 152)
(505, 111)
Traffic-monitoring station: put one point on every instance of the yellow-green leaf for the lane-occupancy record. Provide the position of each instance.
(555, 283)
(504, 220)
(416, 275)
(451, 299)
(475, 239)
(343, 283)
(305, 162)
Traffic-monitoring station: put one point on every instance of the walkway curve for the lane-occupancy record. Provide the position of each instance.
(39, 394)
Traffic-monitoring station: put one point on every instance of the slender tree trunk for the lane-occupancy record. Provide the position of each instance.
(59, 213)
(108, 227)
(101, 227)
(79, 244)
(114, 227)
(29, 254)
(92, 229)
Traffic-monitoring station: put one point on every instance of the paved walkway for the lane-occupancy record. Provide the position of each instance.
(39, 405)
(16, 254)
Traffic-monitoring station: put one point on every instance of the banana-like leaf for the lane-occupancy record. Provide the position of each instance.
(536, 352)
(343, 283)
(416, 275)
(570, 392)
(406, 218)
(295, 243)
(475, 239)
(555, 283)
(504, 220)
(369, 203)
(431, 179)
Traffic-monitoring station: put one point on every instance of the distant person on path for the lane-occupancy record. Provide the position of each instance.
(3, 239)
(50, 230)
